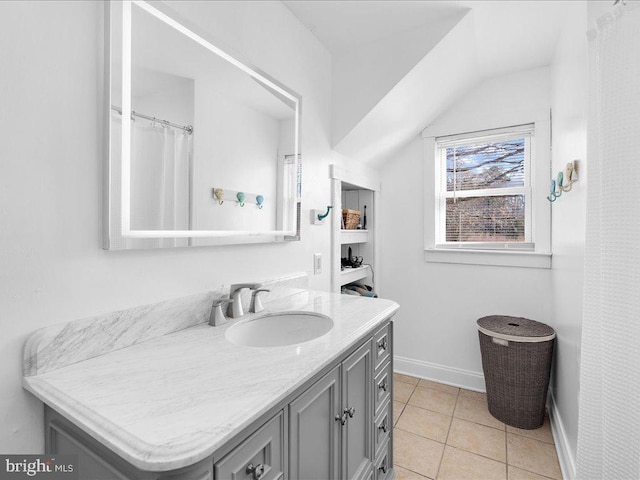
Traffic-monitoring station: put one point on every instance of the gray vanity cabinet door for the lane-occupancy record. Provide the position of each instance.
(314, 433)
(357, 440)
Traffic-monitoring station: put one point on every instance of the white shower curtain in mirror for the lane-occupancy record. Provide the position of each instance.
(609, 417)
(159, 179)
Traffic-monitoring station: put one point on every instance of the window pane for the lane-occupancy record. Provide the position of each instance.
(485, 219)
(486, 165)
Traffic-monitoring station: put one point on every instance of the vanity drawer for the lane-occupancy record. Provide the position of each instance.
(382, 427)
(382, 345)
(383, 463)
(261, 452)
(383, 384)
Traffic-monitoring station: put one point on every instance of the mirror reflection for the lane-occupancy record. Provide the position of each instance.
(211, 142)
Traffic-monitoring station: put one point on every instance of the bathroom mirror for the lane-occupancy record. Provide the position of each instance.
(203, 148)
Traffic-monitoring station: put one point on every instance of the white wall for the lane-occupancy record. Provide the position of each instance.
(359, 81)
(52, 267)
(436, 334)
(238, 151)
(569, 76)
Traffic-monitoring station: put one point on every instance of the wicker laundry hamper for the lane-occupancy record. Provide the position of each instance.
(516, 359)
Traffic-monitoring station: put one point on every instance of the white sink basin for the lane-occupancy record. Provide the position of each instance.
(279, 329)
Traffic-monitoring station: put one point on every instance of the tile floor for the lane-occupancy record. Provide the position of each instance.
(444, 432)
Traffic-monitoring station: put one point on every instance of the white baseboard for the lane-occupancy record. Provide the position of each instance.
(565, 455)
(440, 373)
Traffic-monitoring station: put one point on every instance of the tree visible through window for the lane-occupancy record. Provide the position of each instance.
(485, 188)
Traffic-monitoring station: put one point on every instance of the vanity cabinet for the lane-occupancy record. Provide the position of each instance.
(336, 426)
(330, 424)
(382, 345)
(261, 456)
(357, 451)
(314, 448)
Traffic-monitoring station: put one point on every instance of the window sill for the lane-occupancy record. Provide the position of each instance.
(503, 258)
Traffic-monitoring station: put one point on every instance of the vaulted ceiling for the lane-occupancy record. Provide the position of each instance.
(397, 65)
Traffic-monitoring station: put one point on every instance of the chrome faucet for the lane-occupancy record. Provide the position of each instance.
(235, 307)
(256, 304)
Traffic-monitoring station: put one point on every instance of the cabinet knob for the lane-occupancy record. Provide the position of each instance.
(383, 467)
(382, 344)
(342, 418)
(383, 426)
(383, 386)
(351, 411)
(257, 471)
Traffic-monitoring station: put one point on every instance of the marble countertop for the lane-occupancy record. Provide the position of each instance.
(171, 401)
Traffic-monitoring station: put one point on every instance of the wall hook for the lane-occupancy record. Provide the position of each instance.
(325, 215)
(558, 192)
(564, 182)
(219, 194)
(569, 176)
(259, 201)
(552, 194)
(241, 196)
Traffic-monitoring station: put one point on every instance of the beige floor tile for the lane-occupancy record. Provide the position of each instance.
(405, 378)
(402, 391)
(433, 400)
(476, 438)
(416, 453)
(438, 386)
(461, 465)
(514, 473)
(543, 433)
(480, 396)
(425, 423)
(398, 407)
(477, 412)
(404, 474)
(533, 456)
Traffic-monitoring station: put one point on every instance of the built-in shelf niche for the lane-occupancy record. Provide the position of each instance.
(354, 236)
(353, 190)
(349, 275)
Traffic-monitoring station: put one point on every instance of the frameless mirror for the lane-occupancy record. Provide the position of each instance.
(203, 148)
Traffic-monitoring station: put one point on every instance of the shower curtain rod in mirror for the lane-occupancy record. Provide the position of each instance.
(187, 128)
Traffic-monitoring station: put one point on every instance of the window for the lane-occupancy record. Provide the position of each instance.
(485, 196)
(485, 189)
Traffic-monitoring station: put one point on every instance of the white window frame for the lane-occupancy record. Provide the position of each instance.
(526, 132)
(535, 250)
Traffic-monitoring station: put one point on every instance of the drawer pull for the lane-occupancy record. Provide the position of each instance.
(257, 471)
(351, 411)
(383, 386)
(382, 344)
(383, 426)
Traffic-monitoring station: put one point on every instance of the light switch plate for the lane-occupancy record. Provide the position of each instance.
(317, 263)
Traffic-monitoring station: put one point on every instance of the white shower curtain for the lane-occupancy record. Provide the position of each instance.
(159, 177)
(160, 182)
(609, 417)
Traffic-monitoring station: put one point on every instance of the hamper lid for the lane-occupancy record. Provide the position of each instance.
(517, 329)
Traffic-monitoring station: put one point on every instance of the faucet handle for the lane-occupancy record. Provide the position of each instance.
(217, 318)
(256, 304)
